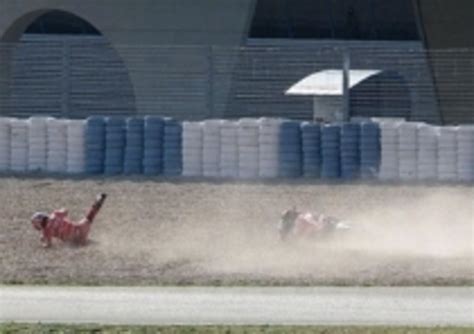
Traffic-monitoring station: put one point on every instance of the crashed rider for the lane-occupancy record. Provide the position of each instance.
(295, 224)
(58, 225)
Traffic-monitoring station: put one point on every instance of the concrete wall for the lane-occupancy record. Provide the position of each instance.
(446, 25)
(133, 23)
(139, 22)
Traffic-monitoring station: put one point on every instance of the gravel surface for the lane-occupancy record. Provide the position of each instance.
(174, 232)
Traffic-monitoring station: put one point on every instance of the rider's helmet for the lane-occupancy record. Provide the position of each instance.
(39, 220)
(287, 222)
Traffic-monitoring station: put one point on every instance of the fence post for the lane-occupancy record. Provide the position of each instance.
(210, 79)
(346, 98)
(6, 51)
(65, 79)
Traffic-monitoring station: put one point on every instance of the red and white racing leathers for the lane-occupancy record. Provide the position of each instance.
(61, 227)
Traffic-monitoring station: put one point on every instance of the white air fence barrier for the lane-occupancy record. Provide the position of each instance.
(19, 145)
(269, 133)
(192, 149)
(447, 153)
(389, 169)
(76, 146)
(407, 150)
(37, 143)
(211, 148)
(465, 150)
(248, 148)
(427, 152)
(56, 160)
(5, 135)
(229, 150)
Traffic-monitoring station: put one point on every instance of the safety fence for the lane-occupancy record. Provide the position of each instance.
(245, 148)
(77, 77)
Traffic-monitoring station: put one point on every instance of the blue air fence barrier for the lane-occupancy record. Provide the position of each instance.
(153, 145)
(350, 155)
(95, 145)
(114, 145)
(369, 149)
(290, 153)
(311, 147)
(330, 151)
(133, 160)
(172, 148)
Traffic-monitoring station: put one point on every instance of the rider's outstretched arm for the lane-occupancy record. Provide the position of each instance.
(46, 239)
(95, 208)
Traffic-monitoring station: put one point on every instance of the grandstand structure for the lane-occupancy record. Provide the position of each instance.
(447, 26)
(205, 59)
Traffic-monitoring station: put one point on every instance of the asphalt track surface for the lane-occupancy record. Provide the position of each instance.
(424, 306)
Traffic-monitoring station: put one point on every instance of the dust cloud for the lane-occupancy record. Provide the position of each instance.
(397, 232)
(200, 232)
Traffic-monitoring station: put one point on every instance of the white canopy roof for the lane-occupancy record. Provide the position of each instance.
(328, 82)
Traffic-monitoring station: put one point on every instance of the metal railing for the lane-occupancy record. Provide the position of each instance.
(72, 77)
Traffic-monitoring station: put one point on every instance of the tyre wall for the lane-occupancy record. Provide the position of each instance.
(265, 148)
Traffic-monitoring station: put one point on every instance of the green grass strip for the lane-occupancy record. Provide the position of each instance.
(14, 328)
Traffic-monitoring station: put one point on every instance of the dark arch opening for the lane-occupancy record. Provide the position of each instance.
(384, 95)
(61, 23)
(63, 66)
